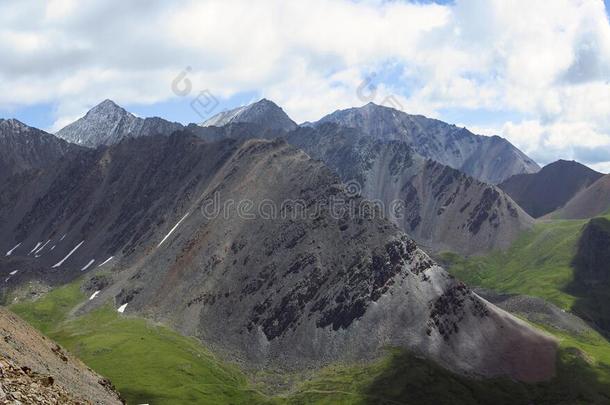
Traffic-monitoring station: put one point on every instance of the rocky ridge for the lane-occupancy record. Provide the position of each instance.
(290, 290)
(489, 159)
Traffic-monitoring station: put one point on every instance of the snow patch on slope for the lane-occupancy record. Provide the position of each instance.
(35, 248)
(10, 252)
(68, 256)
(88, 265)
(106, 261)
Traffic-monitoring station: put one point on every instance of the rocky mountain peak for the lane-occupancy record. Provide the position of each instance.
(263, 112)
(107, 107)
(108, 123)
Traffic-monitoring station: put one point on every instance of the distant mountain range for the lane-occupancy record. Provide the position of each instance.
(551, 188)
(441, 207)
(489, 159)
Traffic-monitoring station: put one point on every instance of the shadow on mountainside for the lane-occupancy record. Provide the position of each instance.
(411, 380)
(591, 283)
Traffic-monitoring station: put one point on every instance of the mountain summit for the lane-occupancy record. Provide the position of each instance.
(108, 123)
(490, 159)
(264, 113)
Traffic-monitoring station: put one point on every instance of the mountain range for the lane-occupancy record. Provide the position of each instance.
(335, 278)
(441, 207)
(282, 246)
(490, 159)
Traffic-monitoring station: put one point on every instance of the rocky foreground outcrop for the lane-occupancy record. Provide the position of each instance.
(35, 370)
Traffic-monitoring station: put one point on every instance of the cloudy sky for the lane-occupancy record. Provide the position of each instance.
(534, 71)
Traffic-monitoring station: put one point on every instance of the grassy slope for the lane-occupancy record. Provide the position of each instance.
(540, 264)
(146, 363)
(152, 364)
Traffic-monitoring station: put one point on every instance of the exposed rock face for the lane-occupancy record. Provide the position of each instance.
(295, 283)
(23, 148)
(264, 113)
(549, 189)
(489, 159)
(107, 124)
(442, 208)
(590, 202)
(34, 370)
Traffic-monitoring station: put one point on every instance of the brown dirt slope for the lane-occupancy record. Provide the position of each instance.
(33, 369)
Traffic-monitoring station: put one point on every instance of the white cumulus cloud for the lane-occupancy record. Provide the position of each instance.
(545, 62)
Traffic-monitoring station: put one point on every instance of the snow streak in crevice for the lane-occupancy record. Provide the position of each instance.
(69, 254)
(173, 229)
